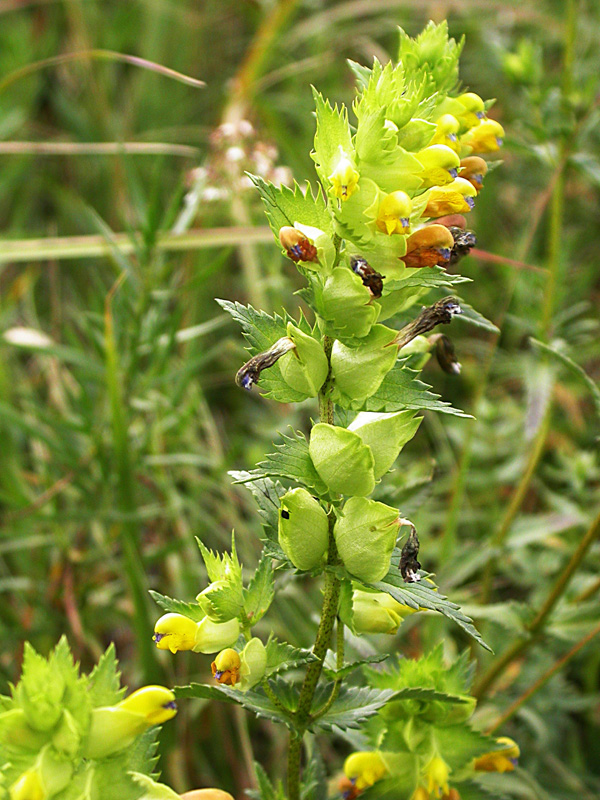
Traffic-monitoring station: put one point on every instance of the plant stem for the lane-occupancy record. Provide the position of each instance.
(331, 594)
(535, 627)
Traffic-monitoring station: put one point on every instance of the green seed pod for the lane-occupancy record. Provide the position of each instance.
(305, 367)
(254, 664)
(359, 371)
(342, 460)
(345, 305)
(377, 612)
(303, 529)
(386, 435)
(365, 534)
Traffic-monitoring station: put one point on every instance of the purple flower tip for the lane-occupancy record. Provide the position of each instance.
(405, 222)
(453, 172)
(158, 636)
(219, 674)
(453, 137)
(470, 202)
(499, 141)
(480, 114)
(445, 252)
(247, 382)
(171, 704)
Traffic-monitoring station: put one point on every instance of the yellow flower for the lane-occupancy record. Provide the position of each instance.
(344, 177)
(156, 704)
(446, 132)
(437, 772)
(377, 612)
(440, 165)
(28, 787)
(226, 667)
(486, 137)
(365, 768)
(474, 110)
(206, 794)
(393, 215)
(175, 632)
(474, 170)
(421, 793)
(501, 760)
(455, 198)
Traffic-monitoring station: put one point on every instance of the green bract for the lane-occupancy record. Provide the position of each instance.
(386, 435)
(365, 534)
(342, 460)
(303, 529)
(345, 307)
(305, 367)
(358, 371)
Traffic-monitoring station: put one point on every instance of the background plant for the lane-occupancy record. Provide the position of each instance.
(52, 492)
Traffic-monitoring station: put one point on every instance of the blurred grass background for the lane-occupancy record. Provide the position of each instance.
(118, 414)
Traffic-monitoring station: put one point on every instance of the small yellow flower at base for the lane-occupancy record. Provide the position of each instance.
(455, 198)
(486, 137)
(27, 787)
(344, 178)
(440, 165)
(156, 704)
(420, 794)
(504, 760)
(348, 789)
(175, 632)
(393, 215)
(365, 768)
(437, 773)
(206, 794)
(226, 667)
(474, 110)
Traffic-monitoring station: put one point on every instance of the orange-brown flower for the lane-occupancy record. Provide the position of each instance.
(428, 246)
(474, 169)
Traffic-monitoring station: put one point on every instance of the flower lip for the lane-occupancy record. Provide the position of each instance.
(219, 674)
(156, 637)
(453, 173)
(171, 705)
(405, 222)
(445, 252)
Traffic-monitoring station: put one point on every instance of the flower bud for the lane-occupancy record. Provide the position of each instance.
(487, 137)
(345, 305)
(504, 759)
(445, 354)
(28, 787)
(249, 373)
(344, 178)
(393, 215)
(386, 435)
(303, 529)
(377, 612)
(222, 600)
(226, 667)
(463, 242)
(440, 165)
(446, 132)
(365, 768)
(297, 246)
(114, 728)
(429, 246)
(365, 534)
(437, 773)
(254, 664)
(358, 371)
(175, 632)
(341, 459)
(304, 368)
(474, 169)
(456, 197)
(474, 110)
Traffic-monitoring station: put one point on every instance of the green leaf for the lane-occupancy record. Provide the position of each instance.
(191, 610)
(281, 657)
(331, 671)
(254, 700)
(473, 317)
(258, 596)
(267, 493)
(401, 389)
(266, 790)
(221, 566)
(292, 463)
(261, 332)
(352, 707)
(558, 355)
(285, 206)
(333, 131)
(460, 744)
(104, 681)
(418, 596)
